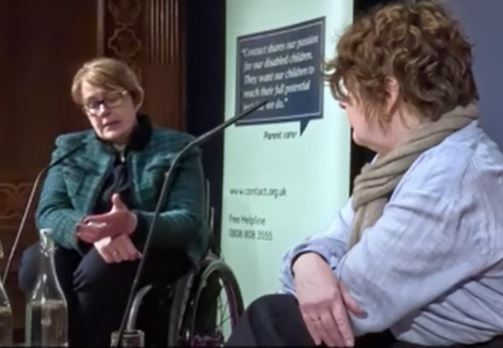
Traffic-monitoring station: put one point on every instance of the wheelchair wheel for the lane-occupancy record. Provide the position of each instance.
(206, 310)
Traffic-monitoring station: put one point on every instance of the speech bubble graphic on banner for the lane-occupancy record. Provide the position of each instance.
(285, 66)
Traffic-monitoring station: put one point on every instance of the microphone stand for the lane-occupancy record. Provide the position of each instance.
(21, 225)
(165, 190)
(28, 206)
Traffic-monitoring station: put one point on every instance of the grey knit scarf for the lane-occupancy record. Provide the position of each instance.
(376, 182)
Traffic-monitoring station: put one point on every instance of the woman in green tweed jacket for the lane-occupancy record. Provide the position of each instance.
(99, 202)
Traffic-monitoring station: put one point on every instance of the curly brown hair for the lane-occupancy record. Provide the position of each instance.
(420, 45)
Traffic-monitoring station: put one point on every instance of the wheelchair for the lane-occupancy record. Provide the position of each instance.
(198, 310)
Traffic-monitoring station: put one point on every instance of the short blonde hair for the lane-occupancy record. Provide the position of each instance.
(109, 74)
(420, 45)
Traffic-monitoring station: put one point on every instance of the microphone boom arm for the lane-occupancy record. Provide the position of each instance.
(21, 225)
(164, 193)
(29, 204)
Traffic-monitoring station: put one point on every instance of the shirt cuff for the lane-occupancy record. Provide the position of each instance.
(317, 248)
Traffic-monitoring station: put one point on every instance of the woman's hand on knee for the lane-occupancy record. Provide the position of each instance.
(324, 302)
(118, 249)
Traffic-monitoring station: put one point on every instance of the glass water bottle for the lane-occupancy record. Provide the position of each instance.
(47, 310)
(5, 315)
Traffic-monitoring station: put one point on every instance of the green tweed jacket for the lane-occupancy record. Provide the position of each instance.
(71, 190)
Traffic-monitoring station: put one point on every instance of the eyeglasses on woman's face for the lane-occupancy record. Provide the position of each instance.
(93, 106)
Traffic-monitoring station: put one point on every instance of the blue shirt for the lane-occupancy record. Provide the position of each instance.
(431, 268)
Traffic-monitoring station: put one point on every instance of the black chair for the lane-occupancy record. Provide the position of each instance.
(200, 309)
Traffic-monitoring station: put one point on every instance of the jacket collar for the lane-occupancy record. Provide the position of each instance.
(140, 136)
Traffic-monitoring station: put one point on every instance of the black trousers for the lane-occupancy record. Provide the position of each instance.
(275, 320)
(96, 291)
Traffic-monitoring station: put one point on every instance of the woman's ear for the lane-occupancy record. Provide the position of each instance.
(393, 94)
(140, 98)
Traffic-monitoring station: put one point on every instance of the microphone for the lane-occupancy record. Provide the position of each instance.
(168, 178)
(29, 203)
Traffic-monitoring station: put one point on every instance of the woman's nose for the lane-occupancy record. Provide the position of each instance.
(102, 110)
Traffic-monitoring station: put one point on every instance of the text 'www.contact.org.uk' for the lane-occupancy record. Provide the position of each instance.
(259, 192)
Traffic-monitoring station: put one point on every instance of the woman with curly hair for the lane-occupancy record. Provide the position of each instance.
(416, 256)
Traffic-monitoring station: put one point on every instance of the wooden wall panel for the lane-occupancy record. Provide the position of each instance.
(149, 35)
(3, 39)
(41, 45)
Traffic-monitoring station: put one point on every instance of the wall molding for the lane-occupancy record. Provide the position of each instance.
(13, 198)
